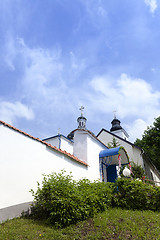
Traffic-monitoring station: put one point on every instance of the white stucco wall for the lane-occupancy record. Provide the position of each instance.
(121, 133)
(23, 161)
(137, 156)
(80, 145)
(65, 144)
(53, 141)
(151, 172)
(87, 148)
(155, 178)
(93, 149)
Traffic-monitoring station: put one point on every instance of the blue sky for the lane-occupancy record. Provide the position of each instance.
(58, 55)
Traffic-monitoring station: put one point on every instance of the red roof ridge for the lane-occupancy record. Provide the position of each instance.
(47, 144)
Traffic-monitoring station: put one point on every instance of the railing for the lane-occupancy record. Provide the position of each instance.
(144, 180)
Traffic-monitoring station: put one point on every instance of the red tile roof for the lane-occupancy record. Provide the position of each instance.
(47, 144)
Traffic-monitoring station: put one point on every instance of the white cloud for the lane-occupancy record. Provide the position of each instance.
(10, 111)
(40, 69)
(46, 80)
(46, 85)
(152, 4)
(10, 53)
(136, 129)
(95, 10)
(133, 98)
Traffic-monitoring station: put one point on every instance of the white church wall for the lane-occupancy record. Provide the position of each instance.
(121, 134)
(93, 149)
(151, 172)
(23, 160)
(80, 145)
(155, 177)
(66, 145)
(137, 156)
(62, 142)
(87, 148)
(54, 141)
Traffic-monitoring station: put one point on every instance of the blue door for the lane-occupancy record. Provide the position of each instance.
(111, 173)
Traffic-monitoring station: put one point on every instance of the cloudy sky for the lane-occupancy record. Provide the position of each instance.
(57, 55)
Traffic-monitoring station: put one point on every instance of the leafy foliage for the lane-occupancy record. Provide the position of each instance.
(134, 194)
(150, 142)
(63, 201)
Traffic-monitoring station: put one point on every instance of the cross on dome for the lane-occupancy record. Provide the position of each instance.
(81, 108)
(114, 113)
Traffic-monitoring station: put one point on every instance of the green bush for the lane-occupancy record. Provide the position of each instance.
(134, 194)
(62, 201)
(95, 197)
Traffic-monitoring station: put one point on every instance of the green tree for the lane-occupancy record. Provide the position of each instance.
(113, 144)
(150, 142)
(137, 170)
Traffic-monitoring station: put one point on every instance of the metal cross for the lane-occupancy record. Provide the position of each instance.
(114, 113)
(81, 108)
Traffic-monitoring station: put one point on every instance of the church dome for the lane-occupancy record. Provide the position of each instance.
(81, 120)
(115, 125)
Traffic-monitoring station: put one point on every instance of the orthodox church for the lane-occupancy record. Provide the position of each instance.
(25, 158)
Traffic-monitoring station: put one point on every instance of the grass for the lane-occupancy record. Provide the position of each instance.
(111, 224)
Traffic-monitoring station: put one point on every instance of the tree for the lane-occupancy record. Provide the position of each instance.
(150, 142)
(113, 144)
(137, 170)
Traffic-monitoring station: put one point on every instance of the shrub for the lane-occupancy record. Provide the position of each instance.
(62, 201)
(95, 197)
(134, 194)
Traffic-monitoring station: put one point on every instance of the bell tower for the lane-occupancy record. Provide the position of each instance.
(117, 129)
